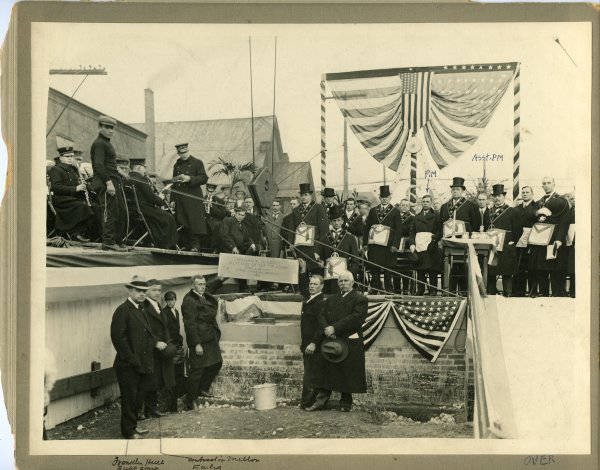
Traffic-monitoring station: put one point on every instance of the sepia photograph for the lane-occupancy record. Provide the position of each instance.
(309, 238)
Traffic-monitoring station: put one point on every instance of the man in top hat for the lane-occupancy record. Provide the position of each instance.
(424, 235)
(188, 178)
(134, 343)
(341, 366)
(461, 209)
(553, 210)
(404, 264)
(353, 222)
(503, 218)
(216, 211)
(525, 215)
(74, 214)
(161, 224)
(338, 243)
(108, 184)
(329, 201)
(382, 221)
(309, 217)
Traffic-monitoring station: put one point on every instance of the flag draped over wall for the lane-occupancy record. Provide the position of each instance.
(426, 323)
(448, 106)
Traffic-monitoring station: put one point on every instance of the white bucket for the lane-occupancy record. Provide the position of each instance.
(264, 396)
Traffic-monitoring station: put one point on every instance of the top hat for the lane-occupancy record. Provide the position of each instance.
(305, 188)
(458, 182)
(137, 282)
(328, 192)
(106, 120)
(181, 148)
(336, 212)
(334, 350)
(384, 191)
(498, 189)
(66, 152)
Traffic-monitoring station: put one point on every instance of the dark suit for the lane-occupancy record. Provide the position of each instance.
(404, 265)
(429, 262)
(241, 235)
(525, 278)
(504, 218)
(346, 313)
(132, 338)
(274, 233)
(171, 319)
(310, 332)
(346, 246)
(201, 328)
(480, 221)
(354, 224)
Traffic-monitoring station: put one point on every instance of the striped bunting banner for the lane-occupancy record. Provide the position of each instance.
(426, 323)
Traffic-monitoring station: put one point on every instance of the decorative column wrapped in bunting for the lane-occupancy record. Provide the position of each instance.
(516, 130)
(323, 145)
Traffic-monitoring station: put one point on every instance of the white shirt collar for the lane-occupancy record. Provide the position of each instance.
(154, 304)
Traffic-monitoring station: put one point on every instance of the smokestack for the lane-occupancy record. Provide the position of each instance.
(150, 128)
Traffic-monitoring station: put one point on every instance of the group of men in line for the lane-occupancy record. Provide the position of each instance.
(150, 352)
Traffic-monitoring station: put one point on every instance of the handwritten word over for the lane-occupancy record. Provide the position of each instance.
(540, 460)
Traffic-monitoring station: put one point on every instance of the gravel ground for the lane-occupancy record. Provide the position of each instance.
(243, 422)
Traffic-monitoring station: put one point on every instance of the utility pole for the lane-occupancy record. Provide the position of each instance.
(346, 163)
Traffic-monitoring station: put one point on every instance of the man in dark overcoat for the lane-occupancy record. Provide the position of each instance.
(502, 217)
(161, 223)
(344, 315)
(553, 209)
(403, 262)
(134, 342)
(382, 217)
(74, 215)
(172, 320)
(525, 213)
(199, 310)
(310, 334)
(459, 207)
(339, 243)
(353, 222)
(329, 201)
(309, 214)
(425, 225)
(188, 177)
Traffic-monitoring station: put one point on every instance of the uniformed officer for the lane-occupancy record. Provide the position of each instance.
(188, 178)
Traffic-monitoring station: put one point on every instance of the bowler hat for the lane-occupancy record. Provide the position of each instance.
(498, 189)
(328, 192)
(106, 120)
(334, 350)
(305, 188)
(384, 191)
(458, 182)
(138, 282)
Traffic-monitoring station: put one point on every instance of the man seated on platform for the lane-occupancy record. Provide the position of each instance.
(341, 364)
(237, 238)
(161, 223)
(74, 215)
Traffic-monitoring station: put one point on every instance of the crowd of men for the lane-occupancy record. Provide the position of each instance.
(388, 248)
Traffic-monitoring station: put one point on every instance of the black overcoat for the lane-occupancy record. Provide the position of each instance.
(503, 217)
(132, 338)
(559, 207)
(382, 255)
(238, 235)
(164, 372)
(354, 224)
(466, 210)
(190, 211)
(312, 313)
(70, 205)
(346, 314)
(431, 259)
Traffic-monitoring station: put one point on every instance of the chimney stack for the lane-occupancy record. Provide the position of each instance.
(150, 128)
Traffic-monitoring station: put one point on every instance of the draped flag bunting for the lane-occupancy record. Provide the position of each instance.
(449, 105)
(426, 323)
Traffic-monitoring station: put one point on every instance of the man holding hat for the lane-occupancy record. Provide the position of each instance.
(329, 201)
(310, 223)
(341, 365)
(380, 240)
(134, 342)
(188, 178)
(504, 220)
(461, 209)
(73, 213)
(109, 187)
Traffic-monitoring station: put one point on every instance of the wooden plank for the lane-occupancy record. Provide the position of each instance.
(76, 384)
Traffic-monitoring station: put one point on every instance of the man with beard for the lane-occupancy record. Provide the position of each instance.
(525, 214)
(553, 210)
(353, 222)
(503, 218)
(344, 315)
(311, 223)
(380, 235)
(74, 215)
(310, 335)
(188, 178)
(161, 224)
(108, 184)
(459, 208)
(405, 221)
(338, 243)
(423, 239)
(199, 310)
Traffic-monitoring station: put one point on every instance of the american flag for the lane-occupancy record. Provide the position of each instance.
(416, 95)
(426, 323)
